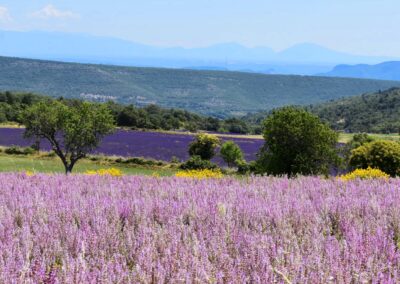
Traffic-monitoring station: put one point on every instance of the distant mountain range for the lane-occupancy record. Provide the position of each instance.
(383, 71)
(303, 59)
(216, 93)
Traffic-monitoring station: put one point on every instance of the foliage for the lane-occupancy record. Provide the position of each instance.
(15, 150)
(296, 142)
(380, 154)
(360, 139)
(197, 163)
(368, 173)
(147, 117)
(73, 131)
(375, 113)
(200, 174)
(244, 168)
(215, 93)
(204, 146)
(231, 153)
(140, 162)
(105, 172)
(357, 140)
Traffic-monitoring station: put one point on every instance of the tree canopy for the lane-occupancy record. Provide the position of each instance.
(296, 142)
(73, 130)
(204, 146)
(231, 153)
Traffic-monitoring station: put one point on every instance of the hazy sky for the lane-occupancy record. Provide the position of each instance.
(369, 27)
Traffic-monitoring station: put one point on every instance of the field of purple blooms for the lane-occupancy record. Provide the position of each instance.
(97, 229)
(151, 145)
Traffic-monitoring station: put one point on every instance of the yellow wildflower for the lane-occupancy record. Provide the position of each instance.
(29, 173)
(105, 172)
(368, 173)
(200, 174)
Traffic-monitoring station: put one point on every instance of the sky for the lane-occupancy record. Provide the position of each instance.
(364, 27)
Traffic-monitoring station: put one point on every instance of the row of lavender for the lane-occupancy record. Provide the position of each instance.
(153, 145)
(94, 229)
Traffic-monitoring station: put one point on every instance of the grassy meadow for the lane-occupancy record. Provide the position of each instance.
(12, 163)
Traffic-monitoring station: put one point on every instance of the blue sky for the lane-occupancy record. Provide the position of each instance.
(368, 27)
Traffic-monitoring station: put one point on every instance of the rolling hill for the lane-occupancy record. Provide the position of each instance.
(372, 113)
(216, 93)
(383, 71)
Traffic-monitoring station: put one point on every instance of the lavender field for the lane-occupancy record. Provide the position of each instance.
(152, 145)
(96, 229)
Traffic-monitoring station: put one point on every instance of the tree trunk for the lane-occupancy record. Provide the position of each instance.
(70, 166)
(68, 169)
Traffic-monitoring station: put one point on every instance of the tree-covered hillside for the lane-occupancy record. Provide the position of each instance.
(148, 117)
(216, 93)
(373, 113)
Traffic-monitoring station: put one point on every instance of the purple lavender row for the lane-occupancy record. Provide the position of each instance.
(152, 145)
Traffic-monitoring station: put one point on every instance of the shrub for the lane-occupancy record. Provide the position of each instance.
(383, 155)
(139, 161)
(197, 163)
(358, 140)
(204, 146)
(231, 153)
(368, 173)
(200, 174)
(244, 167)
(15, 150)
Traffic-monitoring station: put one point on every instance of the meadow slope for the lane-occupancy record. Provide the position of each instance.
(209, 92)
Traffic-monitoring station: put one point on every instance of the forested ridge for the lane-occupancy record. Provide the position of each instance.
(149, 117)
(373, 113)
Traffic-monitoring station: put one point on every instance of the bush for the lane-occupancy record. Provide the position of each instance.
(297, 142)
(383, 155)
(244, 168)
(358, 140)
(140, 162)
(15, 150)
(368, 173)
(197, 163)
(231, 153)
(204, 146)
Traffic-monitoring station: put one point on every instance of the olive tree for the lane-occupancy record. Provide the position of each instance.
(72, 130)
(296, 142)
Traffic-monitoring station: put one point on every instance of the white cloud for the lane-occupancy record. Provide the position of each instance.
(51, 12)
(4, 14)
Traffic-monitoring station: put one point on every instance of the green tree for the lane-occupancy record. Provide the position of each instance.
(297, 142)
(204, 146)
(231, 153)
(384, 155)
(73, 131)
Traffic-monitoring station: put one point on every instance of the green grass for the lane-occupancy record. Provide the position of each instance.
(9, 163)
